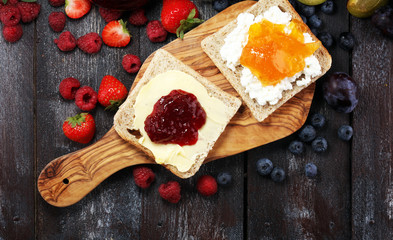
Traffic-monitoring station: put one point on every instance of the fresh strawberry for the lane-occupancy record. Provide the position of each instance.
(111, 93)
(179, 16)
(80, 128)
(115, 34)
(77, 8)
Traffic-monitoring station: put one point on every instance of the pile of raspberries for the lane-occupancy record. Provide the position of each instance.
(171, 191)
(12, 13)
(154, 29)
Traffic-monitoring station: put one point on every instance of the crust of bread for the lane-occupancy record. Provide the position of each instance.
(213, 43)
(162, 62)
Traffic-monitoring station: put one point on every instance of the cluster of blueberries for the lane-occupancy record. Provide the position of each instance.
(307, 134)
(308, 14)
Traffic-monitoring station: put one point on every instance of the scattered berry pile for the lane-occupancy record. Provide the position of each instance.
(308, 134)
(265, 168)
(170, 191)
(110, 95)
(12, 13)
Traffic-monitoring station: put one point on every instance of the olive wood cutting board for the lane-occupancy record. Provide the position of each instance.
(67, 179)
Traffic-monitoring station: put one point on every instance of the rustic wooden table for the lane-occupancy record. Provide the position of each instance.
(351, 198)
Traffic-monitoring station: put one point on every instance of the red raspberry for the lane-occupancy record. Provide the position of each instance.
(109, 15)
(12, 33)
(68, 87)
(138, 17)
(90, 43)
(10, 15)
(156, 32)
(207, 185)
(143, 176)
(131, 63)
(86, 98)
(57, 21)
(56, 3)
(170, 191)
(66, 41)
(29, 10)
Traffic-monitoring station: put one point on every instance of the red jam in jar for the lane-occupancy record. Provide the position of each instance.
(176, 118)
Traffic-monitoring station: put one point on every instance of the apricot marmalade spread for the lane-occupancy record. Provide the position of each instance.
(272, 54)
(176, 118)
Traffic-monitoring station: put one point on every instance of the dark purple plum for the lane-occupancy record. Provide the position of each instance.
(383, 20)
(340, 92)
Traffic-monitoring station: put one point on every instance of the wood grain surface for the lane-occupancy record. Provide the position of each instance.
(372, 159)
(350, 199)
(67, 179)
(17, 160)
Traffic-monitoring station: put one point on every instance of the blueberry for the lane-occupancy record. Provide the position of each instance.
(224, 178)
(304, 19)
(328, 7)
(315, 21)
(296, 147)
(307, 134)
(319, 145)
(318, 120)
(264, 166)
(345, 132)
(220, 5)
(311, 170)
(346, 41)
(326, 39)
(306, 10)
(278, 174)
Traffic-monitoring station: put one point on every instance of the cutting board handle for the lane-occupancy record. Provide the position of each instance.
(67, 179)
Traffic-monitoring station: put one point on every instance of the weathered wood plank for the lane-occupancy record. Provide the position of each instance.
(113, 209)
(195, 216)
(17, 164)
(372, 145)
(300, 208)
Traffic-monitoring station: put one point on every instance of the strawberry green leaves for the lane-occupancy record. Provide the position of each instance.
(188, 24)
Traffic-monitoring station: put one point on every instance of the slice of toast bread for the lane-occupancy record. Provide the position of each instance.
(162, 62)
(213, 43)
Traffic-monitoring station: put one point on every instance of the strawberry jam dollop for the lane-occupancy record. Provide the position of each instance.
(276, 51)
(176, 118)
